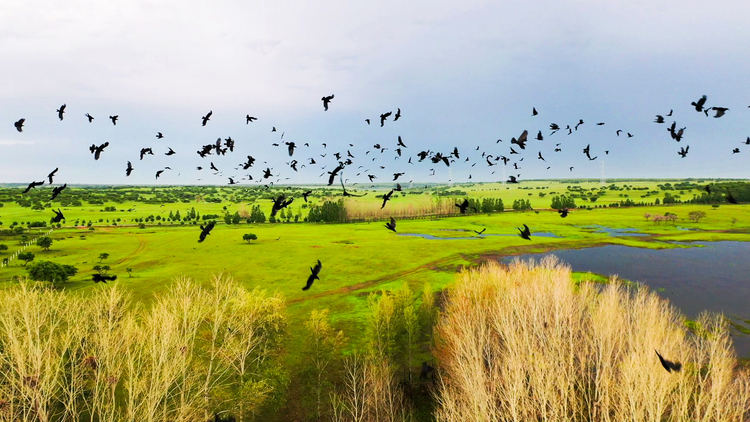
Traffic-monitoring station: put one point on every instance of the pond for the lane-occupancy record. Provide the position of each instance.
(614, 232)
(713, 276)
(474, 236)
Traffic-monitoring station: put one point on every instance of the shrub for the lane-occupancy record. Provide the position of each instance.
(247, 237)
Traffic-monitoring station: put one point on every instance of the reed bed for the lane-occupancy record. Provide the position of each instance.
(399, 208)
(196, 352)
(524, 343)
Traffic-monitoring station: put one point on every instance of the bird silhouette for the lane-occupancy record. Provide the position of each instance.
(391, 225)
(103, 278)
(512, 179)
(563, 212)
(58, 216)
(158, 173)
(207, 117)
(719, 111)
(480, 232)
(341, 177)
(669, 365)
(368, 121)
(248, 119)
(533, 111)
(33, 185)
(683, 151)
(145, 151)
(699, 104)
(306, 194)
(401, 143)
(61, 111)
(659, 119)
(730, 198)
(280, 203)
(463, 206)
(314, 271)
(170, 152)
(383, 117)
(114, 119)
(587, 152)
(540, 156)
(159, 135)
(56, 191)
(51, 175)
(736, 151)
(90, 117)
(334, 173)
(19, 124)
(326, 100)
(129, 169)
(97, 150)
(398, 115)
(521, 141)
(205, 231)
(291, 147)
(386, 198)
(397, 175)
(525, 233)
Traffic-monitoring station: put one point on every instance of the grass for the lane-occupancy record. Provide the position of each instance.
(522, 343)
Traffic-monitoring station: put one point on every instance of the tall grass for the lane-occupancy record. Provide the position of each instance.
(524, 343)
(196, 352)
(410, 206)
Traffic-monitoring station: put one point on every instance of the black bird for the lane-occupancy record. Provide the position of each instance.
(145, 151)
(392, 225)
(129, 169)
(291, 147)
(19, 125)
(398, 187)
(90, 117)
(533, 111)
(205, 231)
(401, 143)
(398, 115)
(170, 152)
(371, 177)
(699, 104)
(58, 216)
(736, 151)
(368, 121)
(51, 175)
(341, 178)
(306, 194)
(563, 212)
(397, 175)
(668, 365)
(97, 150)
(480, 232)
(670, 113)
(659, 119)
(33, 185)
(159, 135)
(618, 132)
(114, 119)
(586, 151)
(539, 136)
(248, 119)
(683, 151)
(232, 182)
(326, 100)
(426, 370)
(207, 117)
(103, 278)
(521, 142)
(580, 122)
(386, 198)
(314, 275)
(61, 111)
(719, 111)
(249, 163)
(293, 165)
(280, 203)
(554, 127)
(383, 117)
(747, 141)
(600, 124)
(512, 179)
(334, 173)
(730, 198)
(525, 233)
(56, 191)
(630, 135)
(267, 173)
(540, 156)
(463, 206)
(158, 173)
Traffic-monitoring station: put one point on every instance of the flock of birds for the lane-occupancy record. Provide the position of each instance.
(346, 159)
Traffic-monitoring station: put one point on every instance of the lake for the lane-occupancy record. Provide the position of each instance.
(713, 276)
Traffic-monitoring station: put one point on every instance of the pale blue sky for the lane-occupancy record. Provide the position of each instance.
(463, 73)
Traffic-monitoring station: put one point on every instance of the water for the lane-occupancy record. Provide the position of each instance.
(715, 277)
(475, 236)
(615, 232)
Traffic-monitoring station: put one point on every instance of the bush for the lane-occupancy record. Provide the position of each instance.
(247, 237)
(51, 272)
(44, 242)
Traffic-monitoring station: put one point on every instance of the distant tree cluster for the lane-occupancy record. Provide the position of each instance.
(329, 212)
(522, 205)
(562, 201)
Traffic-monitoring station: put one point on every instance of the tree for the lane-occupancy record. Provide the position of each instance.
(26, 256)
(647, 215)
(323, 344)
(129, 271)
(103, 256)
(3, 247)
(50, 271)
(101, 269)
(44, 242)
(695, 216)
(247, 237)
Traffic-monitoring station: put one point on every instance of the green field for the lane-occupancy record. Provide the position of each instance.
(358, 258)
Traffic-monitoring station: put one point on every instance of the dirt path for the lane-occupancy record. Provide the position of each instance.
(141, 246)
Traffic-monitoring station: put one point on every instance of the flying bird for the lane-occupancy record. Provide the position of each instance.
(207, 117)
(90, 117)
(368, 121)
(51, 175)
(659, 119)
(114, 119)
(586, 151)
(392, 225)
(401, 143)
(719, 111)
(398, 115)
(699, 104)
(129, 169)
(248, 119)
(97, 150)
(512, 179)
(326, 100)
(170, 152)
(103, 278)
(145, 151)
(563, 212)
(280, 203)
(669, 365)
(306, 194)
(291, 147)
(480, 232)
(205, 231)
(56, 191)
(730, 198)
(61, 111)
(533, 111)
(19, 125)
(525, 233)
(683, 151)
(58, 216)
(463, 206)
(383, 117)
(159, 135)
(386, 198)
(158, 173)
(314, 275)
(33, 185)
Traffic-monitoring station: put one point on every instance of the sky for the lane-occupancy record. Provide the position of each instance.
(464, 74)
